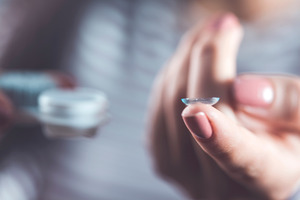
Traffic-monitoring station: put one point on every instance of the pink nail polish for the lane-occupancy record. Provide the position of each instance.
(199, 125)
(225, 21)
(253, 91)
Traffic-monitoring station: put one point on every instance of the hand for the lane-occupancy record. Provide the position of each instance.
(62, 80)
(239, 154)
(9, 114)
(261, 148)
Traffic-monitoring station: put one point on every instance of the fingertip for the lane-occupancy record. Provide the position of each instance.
(214, 131)
(66, 82)
(63, 80)
(225, 20)
(194, 108)
(251, 90)
(198, 125)
(199, 120)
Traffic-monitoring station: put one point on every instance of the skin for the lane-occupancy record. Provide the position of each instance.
(193, 164)
(9, 115)
(253, 152)
(20, 21)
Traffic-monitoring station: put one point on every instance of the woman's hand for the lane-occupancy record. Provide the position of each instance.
(247, 148)
(8, 113)
(261, 148)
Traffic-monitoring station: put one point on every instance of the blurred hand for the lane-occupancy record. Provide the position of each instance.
(62, 80)
(8, 114)
(248, 147)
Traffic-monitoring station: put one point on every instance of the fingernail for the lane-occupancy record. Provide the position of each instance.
(253, 91)
(199, 125)
(225, 21)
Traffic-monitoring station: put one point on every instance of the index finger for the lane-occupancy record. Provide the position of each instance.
(213, 61)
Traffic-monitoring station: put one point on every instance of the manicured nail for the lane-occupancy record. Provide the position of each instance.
(253, 91)
(225, 21)
(199, 125)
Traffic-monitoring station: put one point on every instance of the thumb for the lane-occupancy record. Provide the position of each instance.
(225, 141)
(274, 99)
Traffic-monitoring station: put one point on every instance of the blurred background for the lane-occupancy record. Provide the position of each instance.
(115, 46)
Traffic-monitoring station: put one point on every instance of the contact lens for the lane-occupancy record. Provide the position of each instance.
(210, 101)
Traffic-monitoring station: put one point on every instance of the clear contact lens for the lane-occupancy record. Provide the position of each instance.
(209, 101)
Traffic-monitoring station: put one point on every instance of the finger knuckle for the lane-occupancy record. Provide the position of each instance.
(204, 49)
